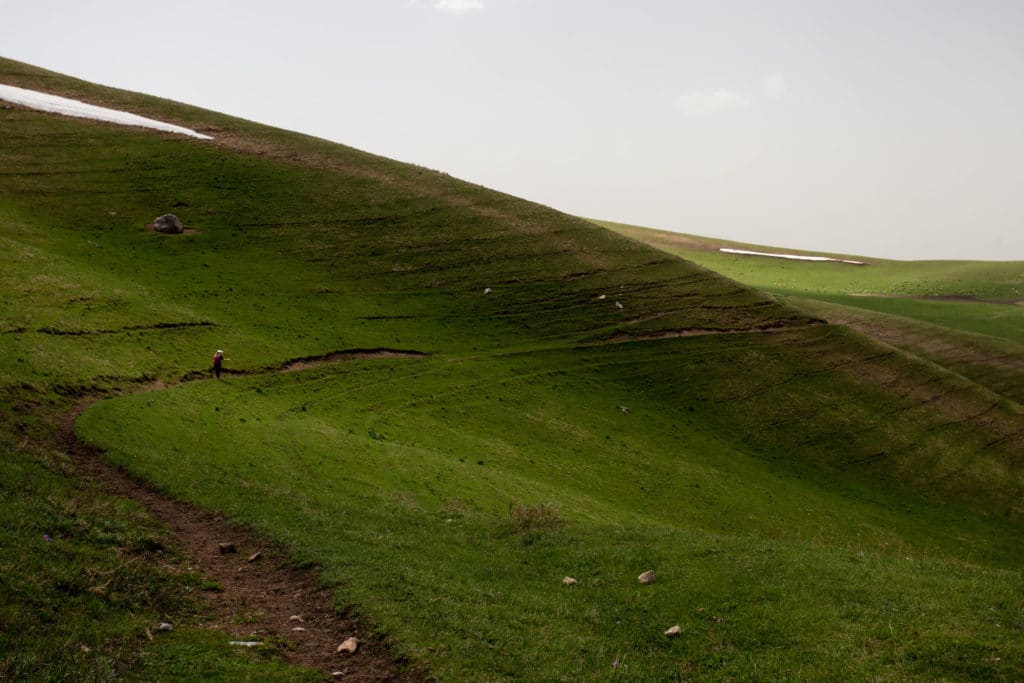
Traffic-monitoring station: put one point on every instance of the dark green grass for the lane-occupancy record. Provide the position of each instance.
(996, 364)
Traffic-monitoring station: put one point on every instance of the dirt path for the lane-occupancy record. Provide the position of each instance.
(263, 597)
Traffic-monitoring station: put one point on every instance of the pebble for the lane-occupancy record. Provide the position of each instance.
(674, 631)
(569, 581)
(255, 556)
(164, 626)
(296, 617)
(647, 577)
(245, 643)
(350, 645)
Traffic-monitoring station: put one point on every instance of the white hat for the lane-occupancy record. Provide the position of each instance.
(220, 351)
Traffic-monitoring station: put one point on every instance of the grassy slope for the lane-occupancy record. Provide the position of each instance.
(976, 331)
(746, 471)
(983, 279)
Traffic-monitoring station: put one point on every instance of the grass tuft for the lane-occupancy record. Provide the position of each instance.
(524, 518)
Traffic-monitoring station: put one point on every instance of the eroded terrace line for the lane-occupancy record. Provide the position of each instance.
(626, 337)
(117, 330)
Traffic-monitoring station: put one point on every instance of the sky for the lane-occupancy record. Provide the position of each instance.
(885, 128)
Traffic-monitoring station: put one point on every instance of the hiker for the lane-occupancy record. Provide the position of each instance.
(218, 360)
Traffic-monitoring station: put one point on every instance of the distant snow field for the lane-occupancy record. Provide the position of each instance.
(68, 107)
(794, 257)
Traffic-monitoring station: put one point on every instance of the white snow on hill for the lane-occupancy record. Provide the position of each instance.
(795, 257)
(68, 107)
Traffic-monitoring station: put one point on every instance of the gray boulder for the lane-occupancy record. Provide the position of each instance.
(169, 224)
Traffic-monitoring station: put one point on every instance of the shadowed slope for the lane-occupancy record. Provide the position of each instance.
(299, 236)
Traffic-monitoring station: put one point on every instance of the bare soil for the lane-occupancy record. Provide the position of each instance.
(953, 298)
(185, 230)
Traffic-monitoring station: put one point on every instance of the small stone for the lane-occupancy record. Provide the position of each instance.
(149, 634)
(245, 643)
(255, 556)
(569, 581)
(602, 297)
(86, 648)
(350, 645)
(169, 224)
(226, 548)
(296, 617)
(674, 632)
(647, 577)
(164, 626)
(337, 674)
(487, 290)
(299, 628)
(618, 305)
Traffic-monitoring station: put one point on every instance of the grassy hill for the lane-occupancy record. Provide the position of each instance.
(816, 504)
(967, 316)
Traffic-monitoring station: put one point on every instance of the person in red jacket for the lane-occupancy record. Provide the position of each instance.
(218, 360)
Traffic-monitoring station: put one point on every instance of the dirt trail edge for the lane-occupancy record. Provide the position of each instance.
(263, 596)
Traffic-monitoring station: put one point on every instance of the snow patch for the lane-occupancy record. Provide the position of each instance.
(794, 257)
(68, 107)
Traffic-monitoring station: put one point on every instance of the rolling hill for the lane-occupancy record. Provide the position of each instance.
(446, 399)
(963, 315)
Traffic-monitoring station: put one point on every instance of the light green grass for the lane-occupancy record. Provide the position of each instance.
(884, 277)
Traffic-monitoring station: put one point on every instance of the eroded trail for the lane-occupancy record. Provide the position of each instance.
(263, 596)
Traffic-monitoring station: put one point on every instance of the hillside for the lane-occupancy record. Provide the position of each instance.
(967, 316)
(516, 395)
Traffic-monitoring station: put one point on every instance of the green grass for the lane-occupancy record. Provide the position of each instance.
(883, 277)
(976, 330)
(1003, 322)
(771, 568)
(82, 580)
(817, 505)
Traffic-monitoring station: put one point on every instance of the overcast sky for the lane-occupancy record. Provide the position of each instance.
(887, 128)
